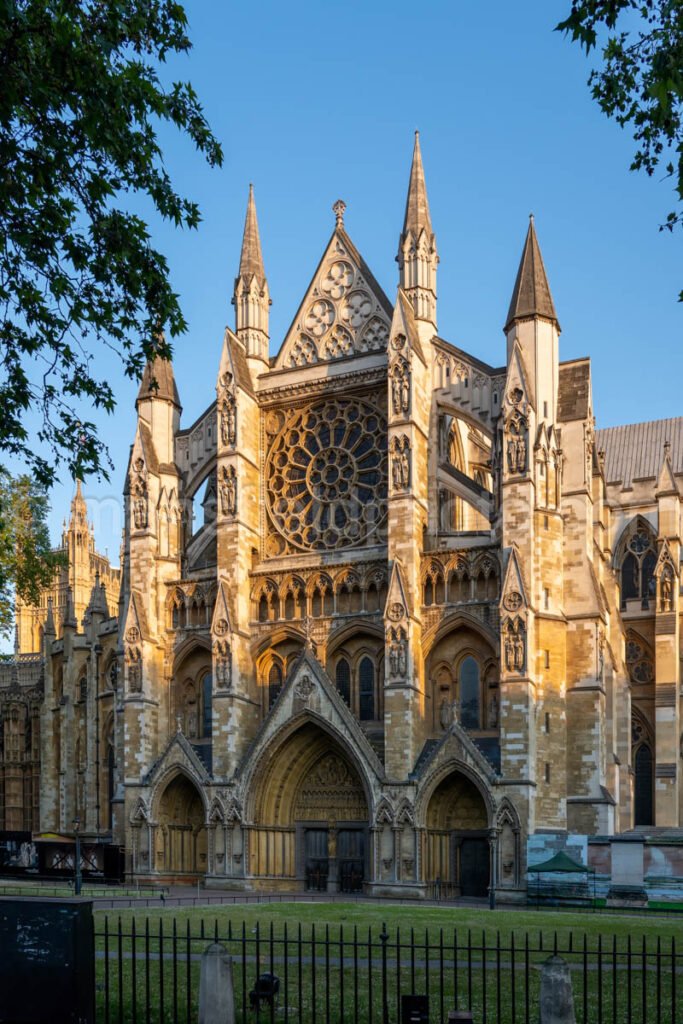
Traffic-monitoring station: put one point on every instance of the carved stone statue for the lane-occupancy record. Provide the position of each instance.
(134, 671)
(228, 489)
(666, 602)
(405, 393)
(396, 393)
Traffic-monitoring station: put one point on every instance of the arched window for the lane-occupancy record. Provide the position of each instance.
(83, 688)
(206, 705)
(469, 693)
(366, 690)
(274, 683)
(343, 681)
(638, 565)
(643, 786)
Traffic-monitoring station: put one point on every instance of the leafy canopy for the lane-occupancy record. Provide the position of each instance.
(641, 81)
(27, 564)
(81, 104)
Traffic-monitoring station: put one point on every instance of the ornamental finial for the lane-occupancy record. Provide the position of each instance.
(339, 208)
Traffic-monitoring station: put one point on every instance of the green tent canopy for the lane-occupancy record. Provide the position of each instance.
(559, 863)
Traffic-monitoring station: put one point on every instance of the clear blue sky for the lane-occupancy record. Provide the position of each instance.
(317, 101)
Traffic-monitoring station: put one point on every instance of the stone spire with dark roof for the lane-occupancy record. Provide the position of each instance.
(251, 298)
(417, 255)
(531, 295)
(158, 382)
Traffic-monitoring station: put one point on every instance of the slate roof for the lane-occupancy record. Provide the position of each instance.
(531, 294)
(161, 371)
(636, 451)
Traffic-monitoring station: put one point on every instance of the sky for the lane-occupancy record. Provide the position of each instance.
(318, 101)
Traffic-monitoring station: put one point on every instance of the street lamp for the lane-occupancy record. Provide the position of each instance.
(77, 879)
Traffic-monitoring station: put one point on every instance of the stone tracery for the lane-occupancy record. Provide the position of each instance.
(326, 474)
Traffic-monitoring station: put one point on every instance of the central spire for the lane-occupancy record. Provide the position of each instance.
(417, 217)
(417, 256)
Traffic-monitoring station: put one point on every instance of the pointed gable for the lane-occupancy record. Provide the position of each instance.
(513, 593)
(397, 606)
(403, 322)
(234, 362)
(531, 295)
(344, 311)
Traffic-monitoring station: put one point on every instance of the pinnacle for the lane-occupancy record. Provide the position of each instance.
(161, 371)
(251, 259)
(531, 295)
(417, 216)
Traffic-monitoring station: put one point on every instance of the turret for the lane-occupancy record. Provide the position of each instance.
(417, 255)
(251, 298)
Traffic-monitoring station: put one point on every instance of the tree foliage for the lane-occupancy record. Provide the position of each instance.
(81, 105)
(27, 564)
(640, 83)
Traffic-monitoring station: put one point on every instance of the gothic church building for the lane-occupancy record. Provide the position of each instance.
(385, 612)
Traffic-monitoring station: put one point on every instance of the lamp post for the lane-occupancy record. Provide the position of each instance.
(77, 837)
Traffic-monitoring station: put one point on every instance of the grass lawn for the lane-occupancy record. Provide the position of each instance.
(333, 966)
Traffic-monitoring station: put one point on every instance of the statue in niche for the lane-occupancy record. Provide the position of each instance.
(405, 470)
(400, 464)
(405, 392)
(493, 712)
(398, 653)
(445, 714)
(666, 603)
(134, 671)
(396, 393)
(228, 422)
(223, 663)
(228, 489)
(514, 647)
(139, 490)
(519, 652)
(516, 446)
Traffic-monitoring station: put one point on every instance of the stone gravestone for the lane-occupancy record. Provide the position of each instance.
(627, 888)
(557, 999)
(216, 992)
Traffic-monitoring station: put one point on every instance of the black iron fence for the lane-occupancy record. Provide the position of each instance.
(150, 972)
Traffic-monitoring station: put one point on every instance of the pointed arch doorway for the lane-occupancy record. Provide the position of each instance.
(181, 841)
(458, 847)
(310, 815)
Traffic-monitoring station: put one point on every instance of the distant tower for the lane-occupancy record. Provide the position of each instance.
(251, 298)
(417, 255)
(78, 541)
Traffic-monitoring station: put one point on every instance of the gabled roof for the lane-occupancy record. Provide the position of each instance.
(531, 295)
(344, 311)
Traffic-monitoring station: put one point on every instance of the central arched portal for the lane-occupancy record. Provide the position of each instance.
(310, 816)
(181, 837)
(457, 855)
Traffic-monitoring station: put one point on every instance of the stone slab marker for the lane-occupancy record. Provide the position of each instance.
(216, 993)
(557, 999)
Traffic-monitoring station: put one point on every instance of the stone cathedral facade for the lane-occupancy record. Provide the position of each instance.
(385, 613)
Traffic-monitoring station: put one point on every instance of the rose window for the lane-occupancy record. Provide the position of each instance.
(326, 474)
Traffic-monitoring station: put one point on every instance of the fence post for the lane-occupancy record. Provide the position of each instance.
(216, 995)
(384, 938)
(557, 999)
